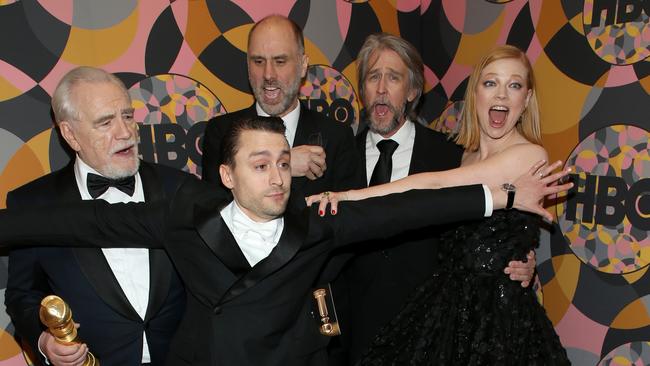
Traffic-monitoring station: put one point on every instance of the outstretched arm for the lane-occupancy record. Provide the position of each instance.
(93, 223)
(532, 187)
(503, 167)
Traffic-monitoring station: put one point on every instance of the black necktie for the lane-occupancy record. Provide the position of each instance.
(97, 184)
(384, 168)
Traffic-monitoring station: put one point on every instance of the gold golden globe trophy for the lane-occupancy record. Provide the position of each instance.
(57, 316)
(329, 326)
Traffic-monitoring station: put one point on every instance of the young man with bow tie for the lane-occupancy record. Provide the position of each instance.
(128, 302)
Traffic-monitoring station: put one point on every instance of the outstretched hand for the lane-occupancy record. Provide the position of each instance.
(327, 198)
(538, 183)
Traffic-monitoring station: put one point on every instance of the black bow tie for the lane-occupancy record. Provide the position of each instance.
(97, 184)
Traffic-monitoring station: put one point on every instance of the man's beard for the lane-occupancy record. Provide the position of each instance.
(289, 96)
(377, 127)
(113, 171)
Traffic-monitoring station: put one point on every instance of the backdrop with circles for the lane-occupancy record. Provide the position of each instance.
(184, 61)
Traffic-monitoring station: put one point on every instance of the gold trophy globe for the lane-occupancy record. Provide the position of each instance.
(57, 316)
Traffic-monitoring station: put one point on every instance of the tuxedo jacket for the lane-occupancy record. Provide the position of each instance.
(380, 276)
(82, 277)
(338, 141)
(238, 315)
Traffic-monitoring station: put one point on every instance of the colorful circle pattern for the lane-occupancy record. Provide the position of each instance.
(629, 354)
(618, 31)
(170, 108)
(330, 92)
(603, 221)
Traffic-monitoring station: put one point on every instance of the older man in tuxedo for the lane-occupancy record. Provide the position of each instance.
(249, 263)
(128, 301)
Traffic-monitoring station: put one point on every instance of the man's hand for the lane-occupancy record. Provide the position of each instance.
(522, 271)
(308, 161)
(59, 354)
(538, 183)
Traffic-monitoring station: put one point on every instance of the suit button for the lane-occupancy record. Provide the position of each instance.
(217, 310)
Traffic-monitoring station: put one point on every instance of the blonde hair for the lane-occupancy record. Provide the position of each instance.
(529, 123)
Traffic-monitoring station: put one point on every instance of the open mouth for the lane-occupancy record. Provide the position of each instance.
(127, 151)
(381, 109)
(498, 114)
(271, 92)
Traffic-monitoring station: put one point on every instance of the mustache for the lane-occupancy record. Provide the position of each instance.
(273, 83)
(381, 101)
(387, 103)
(124, 145)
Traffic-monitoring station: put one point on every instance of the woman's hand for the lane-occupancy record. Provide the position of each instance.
(327, 198)
(540, 182)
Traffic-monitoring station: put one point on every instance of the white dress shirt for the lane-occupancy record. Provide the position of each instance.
(405, 137)
(290, 121)
(402, 156)
(255, 239)
(130, 266)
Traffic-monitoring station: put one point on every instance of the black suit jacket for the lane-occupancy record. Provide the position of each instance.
(82, 277)
(380, 276)
(338, 141)
(237, 315)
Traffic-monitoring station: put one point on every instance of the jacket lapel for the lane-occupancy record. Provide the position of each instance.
(361, 152)
(218, 238)
(296, 225)
(423, 157)
(91, 261)
(304, 129)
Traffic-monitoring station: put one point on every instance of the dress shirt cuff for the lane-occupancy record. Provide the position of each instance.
(489, 204)
(38, 344)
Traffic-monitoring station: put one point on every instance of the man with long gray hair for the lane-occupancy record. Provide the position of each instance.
(379, 277)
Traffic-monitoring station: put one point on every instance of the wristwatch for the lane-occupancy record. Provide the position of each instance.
(510, 189)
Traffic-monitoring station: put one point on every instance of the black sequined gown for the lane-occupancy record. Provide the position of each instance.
(470, 312)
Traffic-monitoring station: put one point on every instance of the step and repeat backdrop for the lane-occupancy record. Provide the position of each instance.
(184, 62)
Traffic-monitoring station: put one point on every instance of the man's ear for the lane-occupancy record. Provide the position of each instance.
(67, 131)
(304, 65)
(411, 95)
(226, 177)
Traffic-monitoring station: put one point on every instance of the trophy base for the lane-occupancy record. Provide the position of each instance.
(330, 329)
(91, 360)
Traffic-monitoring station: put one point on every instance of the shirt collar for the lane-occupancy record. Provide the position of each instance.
(232, 211)
(401, 136)
(290, 121)
(81, 170)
